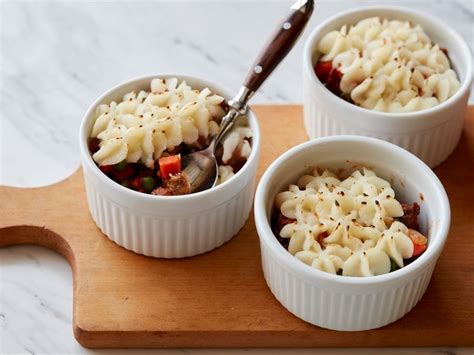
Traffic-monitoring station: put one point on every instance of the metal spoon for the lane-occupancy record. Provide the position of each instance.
(201, 167)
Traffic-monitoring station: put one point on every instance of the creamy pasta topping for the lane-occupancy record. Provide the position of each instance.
(146, 124)
(346, 226)
(389, 65)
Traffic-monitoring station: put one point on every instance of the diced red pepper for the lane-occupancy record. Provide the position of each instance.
(329, 76)
(169, 165)
(323, 69)
(334, 82)
(107, 169)
(146, 172)
(94, 145)
(124, 174)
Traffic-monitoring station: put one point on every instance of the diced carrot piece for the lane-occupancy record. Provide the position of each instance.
(418, 249)
(169, 165)
(417, 237)
(419, 242)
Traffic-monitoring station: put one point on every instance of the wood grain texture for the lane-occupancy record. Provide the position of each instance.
(220, 299)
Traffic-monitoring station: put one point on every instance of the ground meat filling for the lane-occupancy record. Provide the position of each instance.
(178, 184)
(138, 177)
(410, 215)
(278, 222)
(162, 191)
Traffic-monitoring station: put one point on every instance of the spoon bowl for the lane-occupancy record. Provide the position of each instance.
(200, 169)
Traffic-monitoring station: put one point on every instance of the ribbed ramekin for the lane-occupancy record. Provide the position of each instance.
(168, 226)
(430, 134)
(341, 302)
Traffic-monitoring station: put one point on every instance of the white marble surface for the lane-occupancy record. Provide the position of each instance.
(56, 57)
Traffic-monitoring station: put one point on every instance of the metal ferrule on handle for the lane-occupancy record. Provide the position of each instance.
(226, 124)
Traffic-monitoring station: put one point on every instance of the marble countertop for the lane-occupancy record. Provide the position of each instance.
(56, 57)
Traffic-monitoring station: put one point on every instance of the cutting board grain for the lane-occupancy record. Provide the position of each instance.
(220, 299)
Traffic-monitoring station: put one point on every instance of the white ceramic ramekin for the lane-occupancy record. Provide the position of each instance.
(430, 134)
(340, 302)
(167, 226)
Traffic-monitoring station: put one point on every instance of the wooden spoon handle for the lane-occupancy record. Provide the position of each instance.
(280, 43)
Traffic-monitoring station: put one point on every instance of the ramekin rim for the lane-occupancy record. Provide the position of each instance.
(267, 236)
(465, 83)
(87, 157)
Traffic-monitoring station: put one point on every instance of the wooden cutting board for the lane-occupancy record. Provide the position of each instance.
(220, 299)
